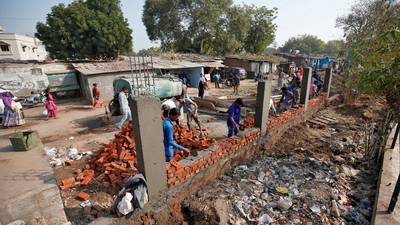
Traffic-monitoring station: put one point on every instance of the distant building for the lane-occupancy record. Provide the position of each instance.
(254, 64)
(20, 47)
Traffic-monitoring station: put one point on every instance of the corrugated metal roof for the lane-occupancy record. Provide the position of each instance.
(90, 68)
(265, 58)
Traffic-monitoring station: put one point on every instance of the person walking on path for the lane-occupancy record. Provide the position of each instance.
(50, 105)
(96, 96)
(236, 83)
(234, 117)
(168, 132)
(217, 78)
(202, 86)
(124, 107)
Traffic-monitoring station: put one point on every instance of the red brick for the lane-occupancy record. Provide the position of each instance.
(83, 196)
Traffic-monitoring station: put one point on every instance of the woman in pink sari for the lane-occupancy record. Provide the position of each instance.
(50, 105)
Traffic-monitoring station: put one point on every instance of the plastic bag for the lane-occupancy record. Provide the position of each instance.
(125, 205)
(45, 112)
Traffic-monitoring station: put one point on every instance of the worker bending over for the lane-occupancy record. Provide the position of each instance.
(190, 109)
(168, 131)
(234, 117)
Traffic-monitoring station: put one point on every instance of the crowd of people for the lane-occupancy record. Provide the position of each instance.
(13, 114)
(291, 90)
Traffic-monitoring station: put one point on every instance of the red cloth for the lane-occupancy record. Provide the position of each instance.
(51, 106)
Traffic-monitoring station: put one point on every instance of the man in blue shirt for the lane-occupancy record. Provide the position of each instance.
(216, 78)
(286, 101)
(234, 117)
(168, 131)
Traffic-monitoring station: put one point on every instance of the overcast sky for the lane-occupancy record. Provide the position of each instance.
(295, 17)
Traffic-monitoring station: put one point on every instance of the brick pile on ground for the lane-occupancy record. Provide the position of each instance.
(117, 160)
(188, 138)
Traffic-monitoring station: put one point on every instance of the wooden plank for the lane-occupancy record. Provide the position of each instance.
(317, 122)
(328, 118)
(322, 120)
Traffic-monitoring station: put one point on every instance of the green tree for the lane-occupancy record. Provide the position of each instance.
(372, 31)
(208, 26)
(154, 51)
(94, 29)
(262, 29)
(304, 43)
(335, 47)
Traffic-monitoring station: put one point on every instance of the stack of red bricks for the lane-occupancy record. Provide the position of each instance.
(177, 173)
(188, 139)
(117, 160)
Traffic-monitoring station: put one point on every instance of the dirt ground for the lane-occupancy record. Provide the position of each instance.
(297, 180)
(85, 129)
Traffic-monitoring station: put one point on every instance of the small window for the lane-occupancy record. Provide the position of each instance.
(5, 48)
(36, 71)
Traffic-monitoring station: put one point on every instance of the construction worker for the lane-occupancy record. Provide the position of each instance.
(168, 131)
(190, 108)
(124, 107)
(169, 104)
(234, 117)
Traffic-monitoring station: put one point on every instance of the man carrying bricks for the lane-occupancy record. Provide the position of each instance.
(234, 117)
(168, 131)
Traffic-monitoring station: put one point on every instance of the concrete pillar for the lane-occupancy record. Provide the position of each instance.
(147, 128)
(327, 81)
(305, 86)
(262, 110)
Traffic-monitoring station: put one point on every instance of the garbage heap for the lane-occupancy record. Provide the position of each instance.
(290, 190)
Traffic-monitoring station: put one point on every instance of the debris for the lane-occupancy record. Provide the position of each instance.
(67, 183)
(64, 155)
(242, 168)
(86, 203)
(125, 205)
(335, 210)
(83, 196)
(284, 204)
(315, 209)
(17, 222)
(282, 190)
(265, 219)
(313, 177)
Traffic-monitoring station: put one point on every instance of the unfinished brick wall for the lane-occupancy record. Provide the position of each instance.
(188, 175)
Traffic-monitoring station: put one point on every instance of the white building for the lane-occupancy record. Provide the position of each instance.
(21, 47)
